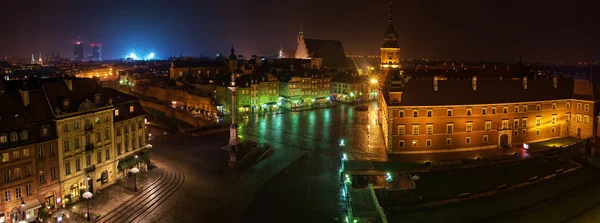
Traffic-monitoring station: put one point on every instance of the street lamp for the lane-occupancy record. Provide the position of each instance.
(374, 81)
(135, 170)
(87, 196)
(22, 211)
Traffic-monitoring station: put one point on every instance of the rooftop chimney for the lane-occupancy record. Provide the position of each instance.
(435, 83)
(474, 83)
(24, 91)
(524, 82)
(69, 83)
(555, 81)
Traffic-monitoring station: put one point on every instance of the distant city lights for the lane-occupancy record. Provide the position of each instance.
(134, 56)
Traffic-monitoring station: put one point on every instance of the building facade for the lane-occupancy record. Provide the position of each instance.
(78, 51)
(85, 115)
(28, 150)
(462, 115)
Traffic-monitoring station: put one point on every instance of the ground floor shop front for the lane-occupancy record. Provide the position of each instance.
(92, 179)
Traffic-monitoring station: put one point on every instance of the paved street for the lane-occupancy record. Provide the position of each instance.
(297, 183)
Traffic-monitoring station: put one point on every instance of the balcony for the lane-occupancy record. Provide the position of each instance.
(88, 127)
(89, 147)
(505, 127)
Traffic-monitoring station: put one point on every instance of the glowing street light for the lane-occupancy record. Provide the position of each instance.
(374, 81)
(342, 143)
(389, 177)
(135, 171)
(87, 196)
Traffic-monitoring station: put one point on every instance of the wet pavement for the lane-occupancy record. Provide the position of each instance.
(298, 182)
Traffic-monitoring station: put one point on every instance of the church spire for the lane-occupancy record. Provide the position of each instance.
(32, 59)
(391, 13)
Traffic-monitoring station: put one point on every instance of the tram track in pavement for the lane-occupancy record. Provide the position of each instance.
(148, 199)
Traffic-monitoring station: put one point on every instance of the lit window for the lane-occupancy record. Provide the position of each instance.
(538, 120)
(429, 129)
(401, 130)
(24, 134)
(116, 112)
(469, 126)
(3, 139)
(586, 119)
(131, 109)
(415, 143)
(578, 118)
(488, 125)
(504, 124)
(568, 104)
(415, 130)
(524, 123)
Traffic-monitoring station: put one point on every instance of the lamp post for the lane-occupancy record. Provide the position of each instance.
(87, 196)
(135, 170)
(22, 211)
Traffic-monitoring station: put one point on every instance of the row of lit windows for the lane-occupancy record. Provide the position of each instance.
(66, 127)
(469, 111)
(14, 136)
(428, 142)
(488, 124)
(88, 160)
(18, 194)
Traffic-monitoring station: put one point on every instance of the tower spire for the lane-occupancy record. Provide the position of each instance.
(391, 12)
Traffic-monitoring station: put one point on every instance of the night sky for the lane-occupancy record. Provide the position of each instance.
(551, 31)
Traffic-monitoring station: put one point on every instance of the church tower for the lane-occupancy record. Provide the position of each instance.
(301, 51)
(390, 50)
(32, 59)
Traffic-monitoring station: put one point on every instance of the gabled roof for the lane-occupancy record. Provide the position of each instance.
(198, 63)
(83, 89)
(14, 114)
(331, 51)
(460, 92)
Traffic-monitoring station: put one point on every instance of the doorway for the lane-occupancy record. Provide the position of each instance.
(504, 141)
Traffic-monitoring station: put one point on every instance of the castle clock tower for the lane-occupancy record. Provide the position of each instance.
(390, 50)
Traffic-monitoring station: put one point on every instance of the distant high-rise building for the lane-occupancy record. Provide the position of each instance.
(40, 60)
(78, 51)
(97, 52)
(32, 59)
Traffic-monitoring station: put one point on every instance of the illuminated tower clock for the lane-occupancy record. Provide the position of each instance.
(390, 50)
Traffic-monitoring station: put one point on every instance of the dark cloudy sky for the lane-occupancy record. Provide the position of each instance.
(470, 29)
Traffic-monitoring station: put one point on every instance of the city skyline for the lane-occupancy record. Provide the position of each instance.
(461, 30)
